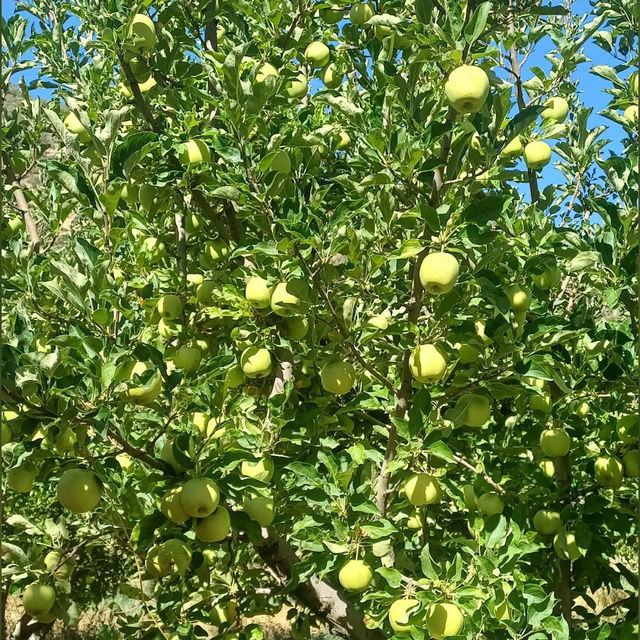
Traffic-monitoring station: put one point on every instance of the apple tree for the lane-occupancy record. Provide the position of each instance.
(324, 305)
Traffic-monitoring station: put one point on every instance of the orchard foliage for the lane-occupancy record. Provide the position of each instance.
(287, 320)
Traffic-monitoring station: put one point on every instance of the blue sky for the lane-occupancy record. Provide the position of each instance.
(589, 85)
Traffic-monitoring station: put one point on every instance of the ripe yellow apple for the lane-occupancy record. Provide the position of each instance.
(258, 292)
(38, 599)
(343, 139)
(338, 377)
(513, 149)
(171, 506)
(261, 469)
(265, 71)
(332, 14)
(73, 124)
(547, 522)
(470, 498)
(556, 109)
(379, 322)
(214, 251)
(79, 490)
(400, 614)
(423, 489)
(259, 508)
(317, 54)
(631, 462)
(627, 428)
(21, 478)
(60, 565)
(427, 363)
(199, 497)
(631, 114)
(297, 88)
(478, 411)
(296, 328)
(169, 307)
(355, 575)
(555, 442)
(490, 504)
(194, 151)
(548, 467)
(439, 272)
(286, 298)
(281, 163)
(215, 527)
(537, 154)
(548, 279)
(467, 88)
(149, 390)
(608, 471)
(224, 613)
(519, 297)
(256, 363)
(444, 620)
(174, 556)
(360, 13)
(565, 546)
(187, 358)
(332, 76)
(143, 32)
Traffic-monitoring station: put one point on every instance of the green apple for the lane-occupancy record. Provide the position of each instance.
(608, 471)
(166, 454)
(547, 522)
(258, 292)
(427, 363)
(156, 565)
(143, 32)
(48, 617)
(439, 272)
(555, 442)
(149, 390)
(174, 555)
(360, 13)
(235, 377)
(73, 124)
(332, 76)
(223, 613)
(467, 352)
(169, 307)
(338, 377)
(215, 527)
(513, 149)
(565, 546)
(204, 292)
(490, 504)
(582, 409)
(79, 490)
(470, 498)
(256, 363)
(542, 403)
(297, 88)
(332, 14)
(194, 152)
(171, 506)
(145, 86)
(467, 88)
(296, 328)
(7, 434)
(548, 279)
(168, 329)
(631, 114)
(65, 440)
(519, 297)
(260, 469)
(265, 71)
(444, 619)
(154, 248)
(627, 428)
(355, 575)
(21, 478)
(38, 599)
(547, 467)
(537, 154)
(556, 109)
(401, 613)
(129, 193)
(187, 358)
(422, 489)
(199, 497)
(633, 83)
(204, 343)
(317, 54)
(259, 508)
(378, 322)
(414, 521)
(140, 69)
(124, 460)
(631, 462)
(61, 565)
(13, 226)
(343, 139)
(287, 299)
(214, 251)
(478, 409)
(382, 31)
(193, 223)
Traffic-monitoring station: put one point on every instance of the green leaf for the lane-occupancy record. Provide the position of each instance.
(477, 23)
(429, 568)
(441, 450)
(133, 143)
